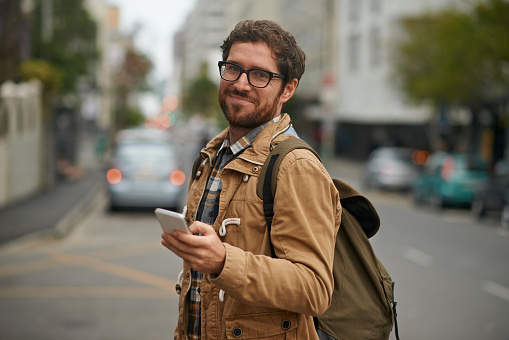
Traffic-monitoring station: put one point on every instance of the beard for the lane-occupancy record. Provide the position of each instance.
(241, 117)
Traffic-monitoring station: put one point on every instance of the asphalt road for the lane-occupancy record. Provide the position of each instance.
(451, 274)
(111, 279)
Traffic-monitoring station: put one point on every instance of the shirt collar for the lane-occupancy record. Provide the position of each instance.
(245, 141)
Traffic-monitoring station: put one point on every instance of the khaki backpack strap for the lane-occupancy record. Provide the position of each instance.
(194, 170)
(267, 182)
(275, 157)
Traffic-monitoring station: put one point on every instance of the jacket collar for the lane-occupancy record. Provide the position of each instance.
(262, 144)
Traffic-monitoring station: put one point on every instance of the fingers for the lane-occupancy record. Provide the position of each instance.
(204, 253)
(173, 244)
(201, 228)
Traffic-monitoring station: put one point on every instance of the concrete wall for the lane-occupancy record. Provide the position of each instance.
(20, 140)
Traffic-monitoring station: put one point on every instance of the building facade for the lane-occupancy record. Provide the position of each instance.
(372, 110)
(346, 98)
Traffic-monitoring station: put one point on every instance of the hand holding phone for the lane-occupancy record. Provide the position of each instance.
(171, 221)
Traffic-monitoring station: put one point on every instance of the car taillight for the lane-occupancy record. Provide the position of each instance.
(420, 157)
(178, 177)
(448, 168)
(113, 176)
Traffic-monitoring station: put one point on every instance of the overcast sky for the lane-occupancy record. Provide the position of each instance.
(159, 20)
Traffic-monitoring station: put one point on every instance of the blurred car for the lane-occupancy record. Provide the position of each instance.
(391, 168)
(145, 172)
(494, 195)
(142, 134)
(450, 179)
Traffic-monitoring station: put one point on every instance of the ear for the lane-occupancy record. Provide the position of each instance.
(288, 91)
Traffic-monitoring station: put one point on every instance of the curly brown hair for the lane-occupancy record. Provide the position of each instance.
(290, 57)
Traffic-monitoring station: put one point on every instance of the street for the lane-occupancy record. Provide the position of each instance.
(111, 278)
(452, 275)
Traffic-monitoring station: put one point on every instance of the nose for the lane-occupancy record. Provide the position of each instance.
(242, 84)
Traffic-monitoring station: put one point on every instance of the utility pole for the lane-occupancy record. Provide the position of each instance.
(329, 81)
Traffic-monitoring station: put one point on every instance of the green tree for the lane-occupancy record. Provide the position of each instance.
(12, 24)
(435, 61)
(131, 78)
(71, 44)
(133, 117)
(493, 37)
(201, 97)
(456, 57)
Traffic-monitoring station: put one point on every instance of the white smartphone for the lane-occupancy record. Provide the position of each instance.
(171, 221)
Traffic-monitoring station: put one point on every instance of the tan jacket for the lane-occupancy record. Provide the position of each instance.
(257, 296)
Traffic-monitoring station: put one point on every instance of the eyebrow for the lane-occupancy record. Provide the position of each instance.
(256, 67)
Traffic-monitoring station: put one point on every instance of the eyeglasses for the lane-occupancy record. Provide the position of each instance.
(257, 77)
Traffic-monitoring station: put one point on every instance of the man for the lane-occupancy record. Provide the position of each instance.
(231, 286)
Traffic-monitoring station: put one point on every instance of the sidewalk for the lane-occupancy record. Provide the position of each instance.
(51, 212)
(54, 211)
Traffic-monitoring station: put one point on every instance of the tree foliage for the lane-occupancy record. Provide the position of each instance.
(493, 35)
(201, 96)
(71, 49)
(453, 56)
(134, 71)
(133, 117)
(131, 78)
(50, 76)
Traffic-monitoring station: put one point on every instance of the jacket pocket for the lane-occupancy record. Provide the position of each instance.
(278, 325)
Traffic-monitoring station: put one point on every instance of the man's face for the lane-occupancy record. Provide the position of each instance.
(243, 105)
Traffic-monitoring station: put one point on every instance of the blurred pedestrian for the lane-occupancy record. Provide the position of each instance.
(230, 283)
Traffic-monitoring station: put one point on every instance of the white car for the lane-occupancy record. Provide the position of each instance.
(145, 173)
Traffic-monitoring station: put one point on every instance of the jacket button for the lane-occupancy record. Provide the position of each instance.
(286, 325)
(237, 332)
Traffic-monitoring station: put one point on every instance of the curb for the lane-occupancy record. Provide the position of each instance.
(67, 224)
(96, 199)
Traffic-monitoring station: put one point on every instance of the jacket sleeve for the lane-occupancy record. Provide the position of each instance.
(307, 214)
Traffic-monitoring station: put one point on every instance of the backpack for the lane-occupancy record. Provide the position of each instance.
(363, 305)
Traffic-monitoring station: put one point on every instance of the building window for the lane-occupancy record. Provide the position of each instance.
(376, 6)
(354, 44)
(354, 9)
(375, 43)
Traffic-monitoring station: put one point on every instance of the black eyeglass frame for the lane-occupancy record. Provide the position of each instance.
(220, 64)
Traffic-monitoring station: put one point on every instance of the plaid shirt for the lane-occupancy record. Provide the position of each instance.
(207, 213)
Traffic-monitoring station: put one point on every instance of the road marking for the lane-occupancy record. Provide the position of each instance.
(27, 267)
(114, 269)
(20, 268)
(417, 256)
(123, 251)
(496, 290)
(85, 292)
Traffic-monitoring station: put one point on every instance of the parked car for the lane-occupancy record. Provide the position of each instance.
(145, 172)
(391, 168)
(494, 195)
(450, 179)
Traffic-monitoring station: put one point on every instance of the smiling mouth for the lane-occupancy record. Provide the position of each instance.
(239, 98)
